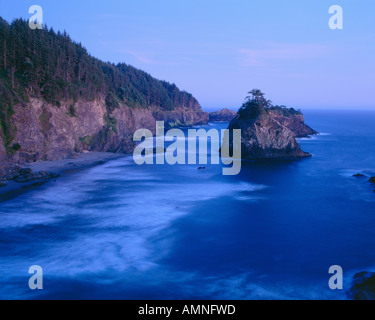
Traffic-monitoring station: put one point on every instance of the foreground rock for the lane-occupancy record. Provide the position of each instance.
(358, 175)
(223, 115)
(263, 137)
(372, 180)
(27, 175)
(363, 287)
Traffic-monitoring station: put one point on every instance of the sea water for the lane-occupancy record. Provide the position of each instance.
(123, 231)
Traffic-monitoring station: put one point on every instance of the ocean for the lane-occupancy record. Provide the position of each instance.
(123, 231)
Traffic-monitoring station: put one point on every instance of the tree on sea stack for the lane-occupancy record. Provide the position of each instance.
(254, 103)
(256, 96)
(262, 136)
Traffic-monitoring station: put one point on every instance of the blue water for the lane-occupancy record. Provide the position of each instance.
(122, 231)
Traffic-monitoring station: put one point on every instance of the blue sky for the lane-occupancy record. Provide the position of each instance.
(218, 50)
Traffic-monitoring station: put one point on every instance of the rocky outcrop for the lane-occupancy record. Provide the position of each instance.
(223, 115)
(363, 286)
(27, 175)
(293, 120)
(372, 181)
(358, 175)
(288, 117)
(55, 105)
(263, 137)
(47, 132)
(3, 157)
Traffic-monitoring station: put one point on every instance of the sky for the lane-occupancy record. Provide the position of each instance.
(218, 50)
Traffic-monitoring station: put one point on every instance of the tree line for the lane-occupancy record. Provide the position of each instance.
(49, 65)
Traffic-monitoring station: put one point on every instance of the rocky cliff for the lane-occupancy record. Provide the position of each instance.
(222, 115)
(293, 120)
(3, 157)
(262, 136)
(56, 100)
(288, 117)
(45, 132)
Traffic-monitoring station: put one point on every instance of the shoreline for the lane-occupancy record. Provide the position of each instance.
(60, 167)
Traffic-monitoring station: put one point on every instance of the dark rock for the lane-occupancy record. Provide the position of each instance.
(28, 176)
(262, 137)
(2, 184)
(25, 171)
(372, 180)
(292, 119)
(101, 162)
(223, 115)
(363, 286)
(202, 168)
(45, 132)
(9, 173)
(359, 175)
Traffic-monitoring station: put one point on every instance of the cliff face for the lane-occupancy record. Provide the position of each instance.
(45, 132)
(288, 117)
(293, 120)
(263, 137)
(57, 100)
(223, 115)
(3, 157)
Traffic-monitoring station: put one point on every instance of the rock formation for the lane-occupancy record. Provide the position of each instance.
(59, 101)
(293, 120)
(223, 115)
(288, 117)
(45, 132)
(363, 286)
(263, 137)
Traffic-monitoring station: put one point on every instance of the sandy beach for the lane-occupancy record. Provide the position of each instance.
(59, 167)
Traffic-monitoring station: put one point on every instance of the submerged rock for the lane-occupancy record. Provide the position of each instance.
(363, 287)
(2, 184)
(359, 175)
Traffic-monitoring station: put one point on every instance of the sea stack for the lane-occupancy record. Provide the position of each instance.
(263, 137)
(223, 115)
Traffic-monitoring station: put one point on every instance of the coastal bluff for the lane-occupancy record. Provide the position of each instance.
(57, 101)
